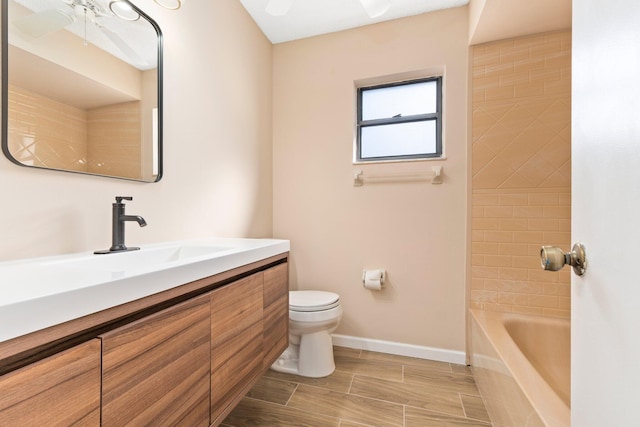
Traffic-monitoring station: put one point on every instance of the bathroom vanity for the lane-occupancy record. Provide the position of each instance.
(184, 353)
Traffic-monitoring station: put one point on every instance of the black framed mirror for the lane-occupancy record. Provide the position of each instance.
(82, 87)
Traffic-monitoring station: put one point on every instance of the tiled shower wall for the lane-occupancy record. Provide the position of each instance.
(50, 134)
(115, 137)
(521, 132)
(33, 117)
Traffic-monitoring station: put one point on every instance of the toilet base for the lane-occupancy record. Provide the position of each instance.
(312, 357)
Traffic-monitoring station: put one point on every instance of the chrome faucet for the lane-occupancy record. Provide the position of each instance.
(117, 232)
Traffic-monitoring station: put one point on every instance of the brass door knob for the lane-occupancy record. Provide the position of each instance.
(552, 258)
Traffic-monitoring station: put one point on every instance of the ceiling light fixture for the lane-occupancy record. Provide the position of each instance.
(278, 7)
(123, 10)
(376, 8)
(170, 4)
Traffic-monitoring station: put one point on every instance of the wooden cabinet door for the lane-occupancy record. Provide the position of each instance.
(276, 312)
(155, 371)
(236, 342)
(61, 390)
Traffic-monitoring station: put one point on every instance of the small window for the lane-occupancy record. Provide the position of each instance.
(400, 121)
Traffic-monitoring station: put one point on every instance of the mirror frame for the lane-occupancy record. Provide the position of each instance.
(5, 98)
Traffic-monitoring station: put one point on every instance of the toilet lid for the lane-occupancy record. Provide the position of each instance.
(312, 300)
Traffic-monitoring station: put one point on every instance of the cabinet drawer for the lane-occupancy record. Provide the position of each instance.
(155, 371)
(63, 389)
(236, 341)
(276, 312)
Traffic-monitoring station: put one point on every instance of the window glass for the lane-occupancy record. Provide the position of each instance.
(406, 100)
(405, 139)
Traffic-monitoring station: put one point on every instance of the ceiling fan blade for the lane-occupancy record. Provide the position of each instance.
(123, 46)
(278, 7)
(42, 23)
(376, 8)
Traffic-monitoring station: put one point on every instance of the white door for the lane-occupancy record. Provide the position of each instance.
(606, 213)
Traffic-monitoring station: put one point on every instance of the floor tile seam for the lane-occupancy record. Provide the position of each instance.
(348, 419)
(463, 388)
(430, 394)
(371, 364)
(360, 397)
(353, 376)
(292, 407)
(411, 361)
(448, 415)
(375, 399)
(439, 371)
(291, 395)
(462, 393)
(446, 387)
(427, 398)
(465, 409)
(404, 415)
(297, 382)
(356, 374)
(355, 422)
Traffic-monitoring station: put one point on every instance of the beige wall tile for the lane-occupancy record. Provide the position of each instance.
(521, 172)
(545, 301)
(485, 223)
(513, 249)
(511, 224)
(543, 224)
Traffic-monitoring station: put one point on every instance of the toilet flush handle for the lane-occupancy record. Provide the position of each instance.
(553, 258)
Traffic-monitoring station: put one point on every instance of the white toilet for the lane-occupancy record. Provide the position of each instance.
(313, 316)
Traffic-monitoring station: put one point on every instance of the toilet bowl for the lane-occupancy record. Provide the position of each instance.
(313, 316)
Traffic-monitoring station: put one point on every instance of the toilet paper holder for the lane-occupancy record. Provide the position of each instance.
(373, 279)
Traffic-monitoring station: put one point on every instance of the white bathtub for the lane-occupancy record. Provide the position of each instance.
(522, 367)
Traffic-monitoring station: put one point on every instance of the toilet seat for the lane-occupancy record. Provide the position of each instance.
(312, 301)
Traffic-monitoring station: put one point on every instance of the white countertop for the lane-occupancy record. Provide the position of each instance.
(41, 292)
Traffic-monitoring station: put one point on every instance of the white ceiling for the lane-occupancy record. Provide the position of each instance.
(308, 18)
(134, 42)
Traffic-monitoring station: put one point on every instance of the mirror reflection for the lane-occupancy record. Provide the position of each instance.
(82, 87)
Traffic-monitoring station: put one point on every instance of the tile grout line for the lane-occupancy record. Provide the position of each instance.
(464, 411)
(294, 390)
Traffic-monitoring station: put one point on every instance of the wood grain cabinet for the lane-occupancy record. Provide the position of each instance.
(61, 390)
(236, 342)
(180, 362)
(275, 313)
(155, 371)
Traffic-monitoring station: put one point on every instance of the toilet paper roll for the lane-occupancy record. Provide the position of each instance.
(373, 279)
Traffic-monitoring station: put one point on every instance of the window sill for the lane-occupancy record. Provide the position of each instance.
(377, 162)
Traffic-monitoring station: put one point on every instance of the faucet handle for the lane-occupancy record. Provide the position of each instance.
(119, 199)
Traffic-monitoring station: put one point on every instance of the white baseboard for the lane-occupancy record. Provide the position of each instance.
(401, 349)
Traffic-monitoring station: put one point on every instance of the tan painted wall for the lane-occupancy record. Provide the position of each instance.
(217, 146)
(521, 173)
(416, 231)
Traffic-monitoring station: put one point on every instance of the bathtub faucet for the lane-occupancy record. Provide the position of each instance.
(118, 221)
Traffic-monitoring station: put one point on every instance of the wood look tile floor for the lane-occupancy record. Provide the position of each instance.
(367, 389)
